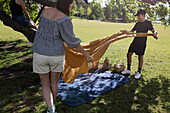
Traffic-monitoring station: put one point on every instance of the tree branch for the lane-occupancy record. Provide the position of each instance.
(27, 31)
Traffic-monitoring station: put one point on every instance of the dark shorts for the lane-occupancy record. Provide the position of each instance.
(137, 49)
(22, 20)
(138, 46)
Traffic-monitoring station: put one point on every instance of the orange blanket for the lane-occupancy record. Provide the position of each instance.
(76, 63)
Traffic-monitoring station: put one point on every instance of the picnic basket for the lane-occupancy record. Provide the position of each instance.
(118, 67)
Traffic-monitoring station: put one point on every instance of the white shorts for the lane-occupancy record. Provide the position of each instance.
(44, 64)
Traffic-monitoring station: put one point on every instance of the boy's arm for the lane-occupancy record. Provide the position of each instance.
(22, 4)
(134, 28)
(153, 30)
(154, 33)
(150, 27)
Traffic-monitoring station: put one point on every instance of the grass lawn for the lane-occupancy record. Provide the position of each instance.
(20, 92)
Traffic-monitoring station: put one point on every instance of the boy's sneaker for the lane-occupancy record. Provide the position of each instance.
(138, 75)
(126, 72)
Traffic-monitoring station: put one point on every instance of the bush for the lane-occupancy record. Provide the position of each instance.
(92, 17)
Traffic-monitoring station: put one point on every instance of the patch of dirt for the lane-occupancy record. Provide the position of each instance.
(27, 59)
(28, 43)
(7, 47)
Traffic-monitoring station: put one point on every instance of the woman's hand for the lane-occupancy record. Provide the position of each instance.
(89, 58)
(81, 50)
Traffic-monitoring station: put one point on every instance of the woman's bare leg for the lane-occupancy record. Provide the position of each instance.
(54, 83)
(46, 90)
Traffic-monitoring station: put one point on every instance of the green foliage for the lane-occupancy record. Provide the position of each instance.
(169, 16)
(114, 10)
(125, 10)
(89, 11)
(104, 18)
(32, 9)
(5, 7)
(74, 10)
(93, 17)
(161, 12)
(81, 11)
(96, 10)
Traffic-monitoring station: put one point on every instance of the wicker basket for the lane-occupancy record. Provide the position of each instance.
(119, 67)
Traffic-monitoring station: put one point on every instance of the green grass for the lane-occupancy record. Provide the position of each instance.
(20, 92)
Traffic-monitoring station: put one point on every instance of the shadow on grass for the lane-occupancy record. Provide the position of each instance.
(137, 96)
(19, 86)
(20, 92)
(13, 47)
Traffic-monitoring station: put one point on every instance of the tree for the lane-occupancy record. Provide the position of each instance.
(96, 9)
(5, 14)
(108, 12)
(102, 15)
(81, 11)
(125, 9)
(89, 11)
(93, 17)
(153, 2)
(162, 11)
(74, 10)
(169, 16)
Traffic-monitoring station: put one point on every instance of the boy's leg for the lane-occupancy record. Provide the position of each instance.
(138, 74)
(129, 60)
(140, 58)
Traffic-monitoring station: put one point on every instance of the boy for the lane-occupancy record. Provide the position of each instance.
(17, 8)
(139, 43)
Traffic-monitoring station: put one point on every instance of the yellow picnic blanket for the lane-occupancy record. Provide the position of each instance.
(76, 63)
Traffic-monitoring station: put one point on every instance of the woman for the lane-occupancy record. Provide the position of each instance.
(17, 8)
(55, 27)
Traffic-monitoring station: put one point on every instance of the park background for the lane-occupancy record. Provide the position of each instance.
(19, 87)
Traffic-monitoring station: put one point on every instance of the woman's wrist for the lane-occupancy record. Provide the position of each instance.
(86, 55)
(80, 49)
